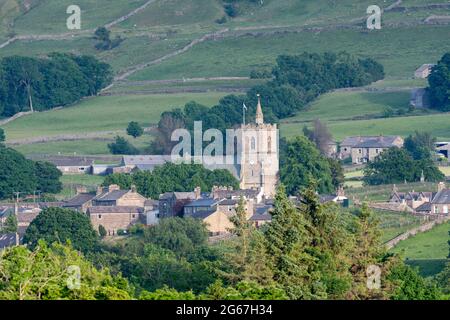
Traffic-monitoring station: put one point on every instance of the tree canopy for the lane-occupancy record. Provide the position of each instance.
(60, 79)
(134, 129)
(439, 84)
(18, 174)
(173, 177)
(300, 161)
(62, 225)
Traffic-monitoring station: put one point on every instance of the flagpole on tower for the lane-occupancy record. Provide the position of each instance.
(244, 107)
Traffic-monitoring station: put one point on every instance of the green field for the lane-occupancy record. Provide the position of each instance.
(49, 17)
(436, 124)
(400, 50)
(347, 105)
(427, 251)
(107, 113)
(432, 244)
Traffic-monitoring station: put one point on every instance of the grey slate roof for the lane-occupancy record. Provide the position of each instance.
(111, 196)
(114, 209)
(262, 214)
(202, 203)
(442, 197)
(69, 161)
(369, 141)
(79, 200)
(7, 240)
(426, 207)
(203, 214)
(149, 160)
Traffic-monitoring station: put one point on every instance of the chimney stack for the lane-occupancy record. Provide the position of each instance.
(441, 186)
(80, 189)
(99, 190)
(113, 187)
(198, 192)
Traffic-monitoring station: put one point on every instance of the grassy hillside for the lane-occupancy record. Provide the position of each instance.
(102, 114)
(428, 245)
(49, 16)
(400, 50)
(436, 124)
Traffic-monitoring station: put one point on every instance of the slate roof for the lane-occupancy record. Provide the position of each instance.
(229, 202)
(327, 197)
(79, 200)
(202, 203)
(442, 197)
(230, 194)
(262, 214)
(7, 240)
(148, 160)
(114, 209)
(369, 141)
(111, 196)
(425, 67)
(178, 195)
(69, 161)
(203, 214)
(426, 207)
(151, 202)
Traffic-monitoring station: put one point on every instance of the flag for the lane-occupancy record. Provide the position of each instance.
(245, 107)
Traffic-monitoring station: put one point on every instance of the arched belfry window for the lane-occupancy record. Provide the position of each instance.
(269, 144)
(253, 143)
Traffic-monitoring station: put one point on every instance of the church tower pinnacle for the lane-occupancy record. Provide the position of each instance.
(259, 114)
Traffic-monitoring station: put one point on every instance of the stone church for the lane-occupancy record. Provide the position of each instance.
(259, 163)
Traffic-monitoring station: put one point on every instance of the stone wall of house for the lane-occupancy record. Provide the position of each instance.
(218, 223)
(131, 199)
(112, 222)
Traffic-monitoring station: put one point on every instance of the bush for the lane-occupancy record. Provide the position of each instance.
(102, 231)
(122, 146)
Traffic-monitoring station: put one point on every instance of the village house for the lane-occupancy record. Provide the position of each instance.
(261, 216)
(339, 197)
(216, 213)
(425, 203)
(171, 204)
(114, 218)
(412, 199)
(363, 149)
(141, 162)
(72, 165)
(423, 71)
(443, 148)
(441, 201)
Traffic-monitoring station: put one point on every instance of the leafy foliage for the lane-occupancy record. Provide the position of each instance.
(396, 165)
(44, 83)
(122, 146)
(298, 80)
(134, 129)
(61, 225)
(439, 84)
(173, 177)
(301, 162)
(48, 177)
(44, 274)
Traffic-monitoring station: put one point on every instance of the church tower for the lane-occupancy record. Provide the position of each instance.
(259, 159)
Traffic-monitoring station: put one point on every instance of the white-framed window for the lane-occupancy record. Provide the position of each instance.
(445, 209)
